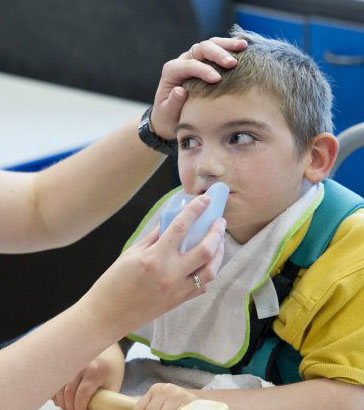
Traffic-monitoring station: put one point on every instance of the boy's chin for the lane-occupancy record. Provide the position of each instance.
(231, 222)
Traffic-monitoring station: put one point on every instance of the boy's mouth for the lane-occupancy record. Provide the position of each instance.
(202, 191)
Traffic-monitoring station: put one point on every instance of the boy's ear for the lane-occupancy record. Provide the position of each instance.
(321, 156)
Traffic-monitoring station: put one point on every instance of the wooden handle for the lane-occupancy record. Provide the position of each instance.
(108, 400)
(205, 405)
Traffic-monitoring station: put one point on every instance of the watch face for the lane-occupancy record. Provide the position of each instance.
(144, 122)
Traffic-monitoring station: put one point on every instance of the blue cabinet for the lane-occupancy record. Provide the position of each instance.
(337, 48)
(272, 24)
(339, 51)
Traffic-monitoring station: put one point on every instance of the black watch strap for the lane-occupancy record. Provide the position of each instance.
(153, 140)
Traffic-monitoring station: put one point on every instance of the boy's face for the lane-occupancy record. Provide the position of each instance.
(244, 141)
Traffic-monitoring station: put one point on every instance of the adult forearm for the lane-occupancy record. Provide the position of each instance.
(79, 193)
(319, 394)
(59, 205)
(37, 366)
(147, 280)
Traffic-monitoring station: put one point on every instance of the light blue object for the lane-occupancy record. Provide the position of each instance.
(218, 194)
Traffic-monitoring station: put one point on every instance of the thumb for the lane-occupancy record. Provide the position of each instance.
(175, 102)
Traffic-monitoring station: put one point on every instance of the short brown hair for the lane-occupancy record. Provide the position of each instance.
(278, 68)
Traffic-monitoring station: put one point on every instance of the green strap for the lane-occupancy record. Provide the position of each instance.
(258, 363)
(288, 361)
(338, 203)
(197, 364)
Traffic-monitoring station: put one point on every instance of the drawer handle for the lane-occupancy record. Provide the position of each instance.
(336, 59)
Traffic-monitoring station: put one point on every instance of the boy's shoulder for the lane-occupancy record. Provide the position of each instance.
(334, 216)
(351, 231)
(341, 264)
(344, 208)
(332, 250)
(330, 282)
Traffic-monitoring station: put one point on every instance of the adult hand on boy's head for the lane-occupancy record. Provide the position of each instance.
(170, 94)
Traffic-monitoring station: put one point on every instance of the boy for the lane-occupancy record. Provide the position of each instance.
(265, 130)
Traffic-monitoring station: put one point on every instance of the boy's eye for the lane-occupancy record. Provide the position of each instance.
(242, 138)
(187, 143)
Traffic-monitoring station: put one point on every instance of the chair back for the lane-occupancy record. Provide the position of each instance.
(349, 165)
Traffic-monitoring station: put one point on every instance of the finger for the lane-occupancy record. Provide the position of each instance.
(84, 393)
(55, 401)
(70, 391)
(178, 70)
(232, 44)
(156, 402)
(175, 403)
(174, 102)
(149, 239)
(59, 399)
(217, 49)
(179, 227)
(175, 397)
(208, 272)
(143, 402)
(204, 252)
(208, 50)
(205, 274)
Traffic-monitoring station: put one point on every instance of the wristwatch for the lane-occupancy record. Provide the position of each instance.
(150, 138)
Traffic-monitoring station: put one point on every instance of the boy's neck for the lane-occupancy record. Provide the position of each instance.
(243, 235)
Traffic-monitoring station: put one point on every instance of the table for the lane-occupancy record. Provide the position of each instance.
(39, 119)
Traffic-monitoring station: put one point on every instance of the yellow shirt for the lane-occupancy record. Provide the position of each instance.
(323, 316)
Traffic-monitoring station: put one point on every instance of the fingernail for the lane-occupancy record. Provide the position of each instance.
(223, 223)
(244, 42)
(178, 93)
(204, 199)
(213, 75)
(229, 59)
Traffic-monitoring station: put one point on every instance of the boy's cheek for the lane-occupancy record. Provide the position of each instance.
(186, 177)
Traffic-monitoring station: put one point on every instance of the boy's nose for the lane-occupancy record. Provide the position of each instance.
(210, 166)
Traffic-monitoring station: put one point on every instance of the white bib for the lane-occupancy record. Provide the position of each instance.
(215, 326)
